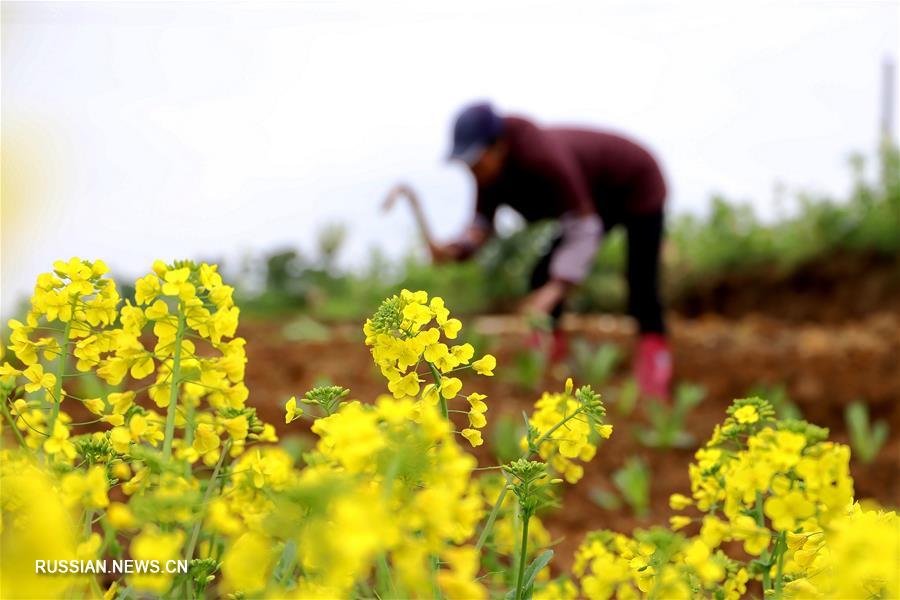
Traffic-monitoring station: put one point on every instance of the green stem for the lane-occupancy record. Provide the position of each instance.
(780, 548)
(437, 381)
(435, 587)
(214, 546)
(523, 556)
(385, 580)
(88, 523)
(758, 511)
(12, 423)
(283, 572)
(60, 372)
(766, 555)
(173, 391)
(213, 483)
(95, 587)
(495, 511)
(489, 524)
(188, 435)
(88, 529)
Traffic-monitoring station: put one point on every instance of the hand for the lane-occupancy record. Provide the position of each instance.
(543, 300)
(441, 253)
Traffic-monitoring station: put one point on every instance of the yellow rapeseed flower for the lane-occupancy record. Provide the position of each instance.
(746, 414)
(485, 365)
(474, 436)
(290, 410)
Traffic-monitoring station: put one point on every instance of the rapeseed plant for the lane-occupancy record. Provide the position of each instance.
(174, 466)
(780, 489)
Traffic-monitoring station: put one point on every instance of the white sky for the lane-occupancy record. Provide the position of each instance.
(137, 131)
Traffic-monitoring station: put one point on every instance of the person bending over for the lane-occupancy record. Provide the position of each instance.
(589, 181)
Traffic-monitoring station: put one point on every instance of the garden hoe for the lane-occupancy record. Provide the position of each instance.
(405, 191)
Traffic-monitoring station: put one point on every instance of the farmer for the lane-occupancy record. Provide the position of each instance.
(588, 181)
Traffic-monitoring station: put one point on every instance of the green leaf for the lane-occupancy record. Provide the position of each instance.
(531, 573)
(879, 436)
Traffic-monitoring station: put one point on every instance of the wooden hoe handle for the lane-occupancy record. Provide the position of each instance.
(403, 190)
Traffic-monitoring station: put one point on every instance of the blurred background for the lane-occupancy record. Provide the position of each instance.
(137, 130)
(264, 136)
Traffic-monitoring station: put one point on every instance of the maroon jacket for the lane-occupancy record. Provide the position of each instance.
(553, 171)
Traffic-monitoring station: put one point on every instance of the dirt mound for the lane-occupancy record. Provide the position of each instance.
(828, 290)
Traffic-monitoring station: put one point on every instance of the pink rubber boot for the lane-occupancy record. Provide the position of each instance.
(653, 366)
(555, 344)
(559, 350)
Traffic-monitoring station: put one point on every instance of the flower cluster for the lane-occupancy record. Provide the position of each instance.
(655, 563)
(404, 334)
(755, 469)
(401, 457)
(786, 466)
(780, 491)
(856, 556)
(564, 428)
(71, 311)
(137, 479)
(177, 466)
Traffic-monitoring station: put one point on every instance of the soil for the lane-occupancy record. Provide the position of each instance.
(831, 289)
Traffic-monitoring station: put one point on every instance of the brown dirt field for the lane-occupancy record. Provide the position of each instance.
(823, 368)
(832, 289)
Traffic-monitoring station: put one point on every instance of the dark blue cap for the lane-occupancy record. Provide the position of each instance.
(477, 126)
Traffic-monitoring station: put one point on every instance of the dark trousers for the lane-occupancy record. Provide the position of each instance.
(644, 234)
